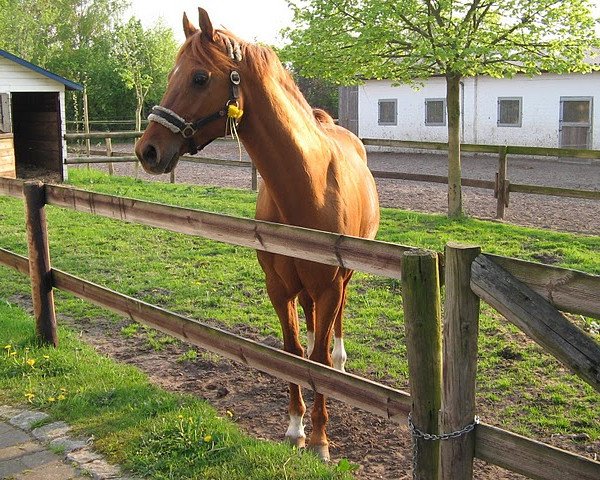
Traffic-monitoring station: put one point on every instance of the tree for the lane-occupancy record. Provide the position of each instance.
(347, 41)
(145, 58)
(72, 38)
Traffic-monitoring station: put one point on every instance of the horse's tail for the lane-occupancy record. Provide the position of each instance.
(322, 117)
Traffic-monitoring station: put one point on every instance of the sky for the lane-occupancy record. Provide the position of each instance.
(251, 20)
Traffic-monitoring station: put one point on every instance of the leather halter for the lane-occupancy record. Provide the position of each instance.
(177, 124)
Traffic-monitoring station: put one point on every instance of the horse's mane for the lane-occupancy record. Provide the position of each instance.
(322, 116)
(260, 59)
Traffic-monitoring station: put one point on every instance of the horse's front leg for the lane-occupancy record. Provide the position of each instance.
(328, 306)
(284, 303)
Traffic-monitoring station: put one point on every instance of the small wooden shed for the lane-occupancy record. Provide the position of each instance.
(32, 119)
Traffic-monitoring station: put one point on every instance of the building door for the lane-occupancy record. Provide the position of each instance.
(575, 125)
(37, 134)
(348, 108)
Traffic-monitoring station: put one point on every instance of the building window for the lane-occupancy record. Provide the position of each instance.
(5, 123)
(388, 112)
(509, 111)
(435, 111)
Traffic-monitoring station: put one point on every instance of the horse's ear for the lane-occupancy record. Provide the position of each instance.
(206, 27)
(188, 28)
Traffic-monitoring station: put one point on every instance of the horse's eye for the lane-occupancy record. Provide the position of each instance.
(200, 78)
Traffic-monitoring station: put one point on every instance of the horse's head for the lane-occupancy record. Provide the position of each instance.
(202, 96)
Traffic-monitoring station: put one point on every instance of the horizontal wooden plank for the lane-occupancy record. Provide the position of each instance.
(379, 258)
(8, 173)
(555, 191)
(5, 136)
(99, 159)
(6, 162)
(102, 135)
(535, 316)
(568, 290)
(419, 177)
(216, 161)
(467, 147)
(384, 401)
(531, 458)
(11, 187)
(14, 261)
(553, 152)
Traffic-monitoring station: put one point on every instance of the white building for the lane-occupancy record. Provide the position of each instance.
(547, 110)
(32, 109)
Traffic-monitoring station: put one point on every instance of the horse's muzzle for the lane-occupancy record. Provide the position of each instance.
(154, 160)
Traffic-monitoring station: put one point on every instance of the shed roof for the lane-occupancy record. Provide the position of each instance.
(69, 85)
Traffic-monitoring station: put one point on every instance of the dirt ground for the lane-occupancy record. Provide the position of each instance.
(259, 402)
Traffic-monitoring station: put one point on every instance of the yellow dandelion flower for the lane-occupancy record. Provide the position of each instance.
(208, 438)
(51, 399)
(179, 417)
(7, 347)
(229, 413)
(12, 354)
(46, 357)
(30, 396)
(61, 397)
(31, 362)
(63, 389)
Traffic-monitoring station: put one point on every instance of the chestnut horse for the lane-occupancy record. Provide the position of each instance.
(314, 175)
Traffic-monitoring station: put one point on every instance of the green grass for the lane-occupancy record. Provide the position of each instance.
(149, 431)
(519, 386)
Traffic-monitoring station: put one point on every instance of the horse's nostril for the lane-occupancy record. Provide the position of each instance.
(150, 155)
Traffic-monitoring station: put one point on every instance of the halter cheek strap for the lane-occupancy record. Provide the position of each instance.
(177, 124)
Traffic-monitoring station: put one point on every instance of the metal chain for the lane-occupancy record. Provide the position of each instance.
(416, 434)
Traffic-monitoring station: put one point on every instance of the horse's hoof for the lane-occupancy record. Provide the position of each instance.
(322, 451)
(298, 442)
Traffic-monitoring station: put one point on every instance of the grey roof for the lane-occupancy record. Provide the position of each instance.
(69, 85)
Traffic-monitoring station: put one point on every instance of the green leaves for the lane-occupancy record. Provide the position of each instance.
(347, 41)
(81, 39)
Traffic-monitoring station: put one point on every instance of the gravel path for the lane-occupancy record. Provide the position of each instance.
(556, 213)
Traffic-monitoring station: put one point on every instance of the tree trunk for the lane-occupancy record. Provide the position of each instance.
(454, 168)
(138, 114)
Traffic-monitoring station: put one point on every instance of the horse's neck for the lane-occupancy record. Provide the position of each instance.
(285, 143)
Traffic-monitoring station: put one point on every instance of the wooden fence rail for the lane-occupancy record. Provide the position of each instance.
(568, 290)
(537, 318)
(492, 444)
(501, 186)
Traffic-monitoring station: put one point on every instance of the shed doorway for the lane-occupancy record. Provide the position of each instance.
(37, 129)
(576, 122)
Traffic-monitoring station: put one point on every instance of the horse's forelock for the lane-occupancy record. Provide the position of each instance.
(211, 54)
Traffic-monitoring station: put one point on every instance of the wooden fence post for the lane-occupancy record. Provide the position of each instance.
(461, 325)
(39, 262)
(172, 176)
(501, 183)
(254, 178)
(422, 316)
(109, 153)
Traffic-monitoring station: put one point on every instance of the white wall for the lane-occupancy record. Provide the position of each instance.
(17, 78)
(540, 109)
(411, 111)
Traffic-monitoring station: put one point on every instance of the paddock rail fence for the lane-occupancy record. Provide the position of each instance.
(528, 294)
(501, 185)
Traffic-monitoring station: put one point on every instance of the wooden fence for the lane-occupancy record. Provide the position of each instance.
(530, 295)
(109, 158)
(501, 185)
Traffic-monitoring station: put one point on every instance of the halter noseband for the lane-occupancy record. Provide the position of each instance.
(177, 124)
